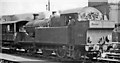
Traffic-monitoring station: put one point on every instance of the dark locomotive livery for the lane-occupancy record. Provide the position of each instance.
(66, 34)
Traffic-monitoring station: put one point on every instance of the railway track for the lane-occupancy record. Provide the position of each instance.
(8, 58)
(51, 58)
(36, 56)
(7, 61)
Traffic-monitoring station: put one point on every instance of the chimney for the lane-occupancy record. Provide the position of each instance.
(114, 14)
(35, 16)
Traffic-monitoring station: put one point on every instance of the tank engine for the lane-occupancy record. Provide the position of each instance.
(74, 33)
(66, 35)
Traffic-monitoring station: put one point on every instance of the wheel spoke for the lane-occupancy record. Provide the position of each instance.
(61, 53)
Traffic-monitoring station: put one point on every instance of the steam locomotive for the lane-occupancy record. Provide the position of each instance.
(65, 35)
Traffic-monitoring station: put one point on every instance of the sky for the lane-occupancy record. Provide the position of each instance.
(8, 7)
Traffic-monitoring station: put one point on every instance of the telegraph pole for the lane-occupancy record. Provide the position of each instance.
(48, 5)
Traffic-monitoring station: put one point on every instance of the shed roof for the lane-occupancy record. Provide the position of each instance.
(80, 10)
(75, 10)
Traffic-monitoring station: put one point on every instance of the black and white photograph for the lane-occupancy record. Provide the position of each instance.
(59, 31)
